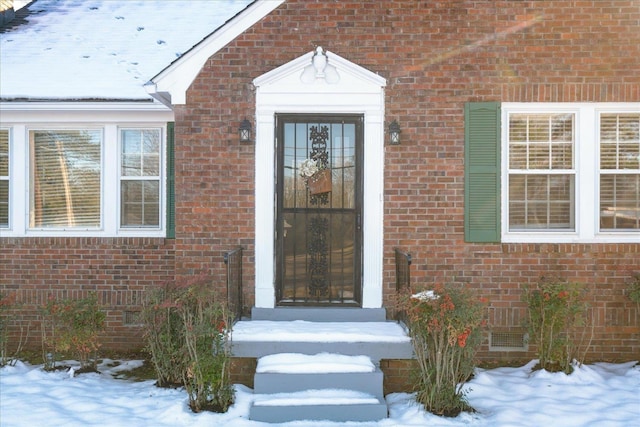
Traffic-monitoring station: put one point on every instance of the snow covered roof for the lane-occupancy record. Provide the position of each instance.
(102, 50)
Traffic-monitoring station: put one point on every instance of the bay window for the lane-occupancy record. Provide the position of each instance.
(98, 180)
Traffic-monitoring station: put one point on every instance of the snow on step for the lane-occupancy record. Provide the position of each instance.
(296, 363)
(304, 331)
(316, 397)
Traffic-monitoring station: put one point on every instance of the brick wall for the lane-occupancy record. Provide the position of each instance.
(435, 56)
(118, 270)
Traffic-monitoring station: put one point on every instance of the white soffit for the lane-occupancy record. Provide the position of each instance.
(171, 84)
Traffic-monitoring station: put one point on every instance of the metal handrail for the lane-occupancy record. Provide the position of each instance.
(403, 272)
(403, 278)
(233, 262)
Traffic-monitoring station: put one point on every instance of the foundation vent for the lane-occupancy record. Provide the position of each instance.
(508, 341)
(131, 318)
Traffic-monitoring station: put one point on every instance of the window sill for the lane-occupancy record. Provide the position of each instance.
(618, 237)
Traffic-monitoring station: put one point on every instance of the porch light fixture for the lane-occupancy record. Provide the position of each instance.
(245, 131)
(394, 133)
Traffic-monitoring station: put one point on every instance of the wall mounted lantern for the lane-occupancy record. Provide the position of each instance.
(394, 133)
(245, 131)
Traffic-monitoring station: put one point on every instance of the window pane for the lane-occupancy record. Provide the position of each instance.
(140, 205)
(540, 202)
(4, 178)
(620, 202)
(140, 198)
(620, 150)
(65, 178)
(4, 154)
(4, 203)
(620, 141)
(541, 142)
(140, 152)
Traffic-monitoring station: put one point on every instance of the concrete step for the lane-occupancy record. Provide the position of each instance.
(331, 405)
(287, 373)
(378, 340)
(370, 382)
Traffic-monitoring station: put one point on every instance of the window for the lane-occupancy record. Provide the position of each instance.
(65, 178)
(552, 172)
(541, 175)
(619, 171)
(140, 178)
(100, 180)
(4, 178)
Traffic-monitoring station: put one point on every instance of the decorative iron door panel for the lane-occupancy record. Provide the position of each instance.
(319, 183)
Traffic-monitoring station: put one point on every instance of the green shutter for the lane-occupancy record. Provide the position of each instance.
(482, 172)
(171, 195)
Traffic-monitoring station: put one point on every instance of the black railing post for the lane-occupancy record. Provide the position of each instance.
(233, 261)
(403, 273)
(403, 277)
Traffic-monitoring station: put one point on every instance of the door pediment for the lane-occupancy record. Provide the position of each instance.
(319, 73)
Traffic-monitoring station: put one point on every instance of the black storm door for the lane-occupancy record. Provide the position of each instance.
(319, 210)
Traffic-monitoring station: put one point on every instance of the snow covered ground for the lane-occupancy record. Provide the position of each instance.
(601, 394)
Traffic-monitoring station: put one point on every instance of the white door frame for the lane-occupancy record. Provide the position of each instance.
(345, 88)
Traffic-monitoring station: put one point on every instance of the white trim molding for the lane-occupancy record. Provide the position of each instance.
(586, 169)
(22, 117)
(346, 89)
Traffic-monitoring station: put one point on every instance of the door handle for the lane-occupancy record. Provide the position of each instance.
(359, 222)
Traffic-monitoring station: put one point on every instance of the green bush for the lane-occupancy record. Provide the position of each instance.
(72, 326)
(162, 334)
(445, 324)
(7, 357)
(634, 288)
(558, 323)
(186, 330)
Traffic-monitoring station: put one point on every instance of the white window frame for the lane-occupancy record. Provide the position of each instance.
(29, 172)
(587, 174)
(161, 179)
(20, 172)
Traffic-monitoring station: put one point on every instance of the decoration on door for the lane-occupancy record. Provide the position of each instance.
(315, 170)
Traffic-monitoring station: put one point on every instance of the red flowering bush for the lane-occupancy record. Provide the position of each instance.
(557, 323)
(445, 325)
(186, 328)
(72, 326)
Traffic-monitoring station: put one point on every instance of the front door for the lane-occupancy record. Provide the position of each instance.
(319, 210)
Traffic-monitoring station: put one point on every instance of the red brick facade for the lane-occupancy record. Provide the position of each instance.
(118, 270)
(435, 56)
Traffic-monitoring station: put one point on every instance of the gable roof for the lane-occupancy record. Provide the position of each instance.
(73, 50)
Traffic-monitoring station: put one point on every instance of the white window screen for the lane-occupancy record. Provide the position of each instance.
(65, 178)
(619, 171)
(140, 178)
(4, 178)
(541, 172)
